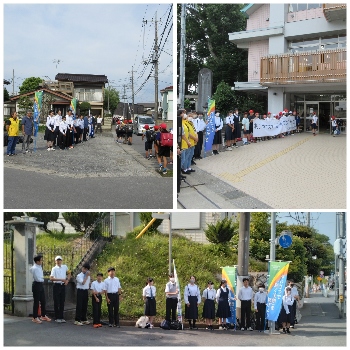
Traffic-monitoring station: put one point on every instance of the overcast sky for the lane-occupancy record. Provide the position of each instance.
(88, 39)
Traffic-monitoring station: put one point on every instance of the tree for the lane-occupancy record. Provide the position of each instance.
(81, 221)
(220, 232)
(146, 218)
(113, 99)
(224, 98)
(6, 95)
(30, 84)
(84, 107)
(47, 102)
(24, 103)
(45, 217)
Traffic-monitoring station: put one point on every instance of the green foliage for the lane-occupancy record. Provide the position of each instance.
(224, 98)
(81, 220)
(6, 95)
(220, 232)
(84, 107)
(187, 103)
(45, 217)
(47, 102)
(146, 217)
(24, 103)
(113, 99)
(30, 84)
(57, 239)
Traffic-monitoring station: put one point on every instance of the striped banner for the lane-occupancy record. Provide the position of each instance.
(230, 275)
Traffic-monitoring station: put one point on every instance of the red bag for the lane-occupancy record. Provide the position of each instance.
(166, 139)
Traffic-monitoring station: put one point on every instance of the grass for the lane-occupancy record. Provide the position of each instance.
(168, 174)
(57, 239)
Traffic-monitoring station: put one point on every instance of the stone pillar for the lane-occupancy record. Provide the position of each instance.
(205, 87)
(24, 251)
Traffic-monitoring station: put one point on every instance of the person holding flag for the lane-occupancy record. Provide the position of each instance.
(171, 292)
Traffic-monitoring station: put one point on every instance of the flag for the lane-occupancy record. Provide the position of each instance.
(210, 130)
(73, 105)
(38, 100)
(276, 283)
(179, 306)
(229, 274)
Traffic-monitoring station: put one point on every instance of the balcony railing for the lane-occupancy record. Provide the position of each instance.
(326, 66)
(66, 87)
(89, 96)
(334, 12)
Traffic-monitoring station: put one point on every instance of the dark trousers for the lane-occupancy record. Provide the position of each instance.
(39, 296)
(293, 313)
(245, 313)
(96, 309)
(170, 308)
(82, 304)
(199, 145)
(113, 308)
(260, 316)
(99, 127)
(86, 130)
(59, 296)
(56, 133)
(69, 138)
(62, 141)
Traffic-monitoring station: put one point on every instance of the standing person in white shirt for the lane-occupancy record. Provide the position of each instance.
(229, 131)
(192, 297)
(58, 119)
(200, 126)
(245, 128)
(260, 307)
(217, 137)
(50, 131)
(149, 298)
(83, 283)
(245, 295)
(172, 292)
(70, 130)
(62, 137)
(314, 123)
(60, 276)
(286, 311)
(113, 293)
(38, 290)
(236, 131)
(98, 288)
(99, 124)
(209, 295)
(222, 298)
(295, 295)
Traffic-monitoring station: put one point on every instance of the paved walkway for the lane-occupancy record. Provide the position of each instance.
(296, 172)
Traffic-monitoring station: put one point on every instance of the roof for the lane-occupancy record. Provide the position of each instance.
(58, 94)
(168, 88)
(77, 78)
(250, 8)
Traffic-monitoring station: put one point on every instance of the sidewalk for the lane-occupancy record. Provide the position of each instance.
(300, 171)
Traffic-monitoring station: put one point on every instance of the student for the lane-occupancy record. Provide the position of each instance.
(149, 298)
(70, 129)
(245, 295)
(58, 119)
(83, 283)
(209, 295)
(260, 307)
(60, 276)
(113, 295)
(236, 131)
(192, 296)
(98, 288)
(38, 290)
(229, 131)
(217, 137)
(12, 128)
(99, 124)
(222, 298)
(163, 151)
(294, 293)
(62, 137)
(314, 123)
(156, 131)
(172, 292)
(286, 311)
(245, 128)
(149, 134)
(50, 130)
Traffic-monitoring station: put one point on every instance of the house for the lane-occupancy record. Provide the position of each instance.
(167, 103)
(297, 55)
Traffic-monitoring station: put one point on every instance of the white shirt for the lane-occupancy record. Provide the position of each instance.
(112, 284)
(81, 123)
(63, 127)
(80, 279)
(50, 122)
(209, 294)
(193, 291)
(37, 271)
(171, 288)
(202, 125)
(69, 119)
(98, 287)
(146, 292)
(218, 123)
(259, 297)
(294, 292)
(287, 300)
(314, 119)
(229, 119)
(245, 293)
(58, 119)
(99, 120)
(218, 293)
(59, 272)
(334, 122)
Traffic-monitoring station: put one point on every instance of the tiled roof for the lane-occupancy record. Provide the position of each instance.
(57, 93)
(75, 78)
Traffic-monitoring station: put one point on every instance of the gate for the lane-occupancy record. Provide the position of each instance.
(9, 285)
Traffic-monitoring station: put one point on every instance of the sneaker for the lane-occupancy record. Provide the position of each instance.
(63, 321)
(221, 328)
(53, 149)
(236, 146)
(171, 162)
(284, 331)
(27, 150)
(250, 328)
(164, 172)
(49, 149)
(228, 149)
(207, 327)
(58, 321)
(85, 322)
(36, 320)
(242, 329)
(291, 326)
(95, 325)
(151, 326)
(77, 323)
(45, 318)
(110, 325)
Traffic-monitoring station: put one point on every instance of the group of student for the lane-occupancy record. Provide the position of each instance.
(111, 289)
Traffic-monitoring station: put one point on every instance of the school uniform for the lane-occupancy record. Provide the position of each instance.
(222, 297)
(38, 290)
(82, 297)
(260, 305)
(150, 307)
(294, 293)
(58, 119)
(209, 303)
(286, 311)
(50, 128)
(200, 127)
(228, 130)
(69, 135)
(112, 288)
(171, 301)
(218, 125)
(237, 131)
(192, 295)
(245, 295)
(98, 287)
(59, 290)
(62, 136)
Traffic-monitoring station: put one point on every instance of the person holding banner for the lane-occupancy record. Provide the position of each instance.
(286, 311)
(260, 307)
(222, 298)
(217, 137)
(171, 292)
(192, 299)
(245, 295)
(209, 295)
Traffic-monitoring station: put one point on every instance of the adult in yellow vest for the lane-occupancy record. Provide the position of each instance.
(12, 128)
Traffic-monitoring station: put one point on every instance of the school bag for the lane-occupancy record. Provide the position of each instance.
(150, 136)
(165, 324)
(175, 325)
(166, 139)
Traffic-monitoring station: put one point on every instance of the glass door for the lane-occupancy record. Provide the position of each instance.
(310, 108)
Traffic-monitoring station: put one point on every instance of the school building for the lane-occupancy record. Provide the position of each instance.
(297, 57)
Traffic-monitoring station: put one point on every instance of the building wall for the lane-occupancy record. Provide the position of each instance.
(258, 19)
(296, 16)
(257, 49)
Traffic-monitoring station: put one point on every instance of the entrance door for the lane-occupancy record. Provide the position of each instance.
(310, 107)
(324, 116)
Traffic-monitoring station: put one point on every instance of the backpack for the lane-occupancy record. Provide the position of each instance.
(175, 325)
(166, 139)
(165, 324)
(150, 136)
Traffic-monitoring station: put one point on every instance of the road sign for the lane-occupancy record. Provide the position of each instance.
(285, 241)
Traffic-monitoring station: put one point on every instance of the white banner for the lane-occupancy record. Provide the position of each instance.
(273, 127)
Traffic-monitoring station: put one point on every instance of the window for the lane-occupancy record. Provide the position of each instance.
(302, 7)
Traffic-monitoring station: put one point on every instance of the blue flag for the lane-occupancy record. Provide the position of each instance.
(210, 130)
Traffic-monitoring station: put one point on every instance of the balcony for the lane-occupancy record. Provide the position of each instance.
(59, 86)
(334, 12)
(96, 96)
(327, 66)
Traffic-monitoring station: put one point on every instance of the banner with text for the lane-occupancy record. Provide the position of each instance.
(229, 274)
(179, 306)
(276, 282)
(273, 127)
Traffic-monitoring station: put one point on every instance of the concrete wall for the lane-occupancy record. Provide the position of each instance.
(260, 18)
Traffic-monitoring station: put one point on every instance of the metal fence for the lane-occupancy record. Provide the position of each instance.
(8, 270)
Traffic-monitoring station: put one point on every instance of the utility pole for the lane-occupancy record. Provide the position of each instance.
(124, 97)
(108, 96)
(156, 68)
(132, 92)
(13, 82)
(182, 56)
(308, 219)
(341, 267)
(243, 253)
